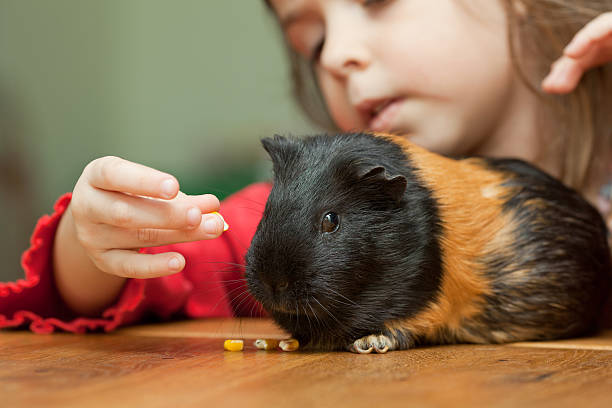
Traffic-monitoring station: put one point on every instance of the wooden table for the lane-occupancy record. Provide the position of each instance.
(182, 364)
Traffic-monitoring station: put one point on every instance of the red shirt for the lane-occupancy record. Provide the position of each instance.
(210, 285)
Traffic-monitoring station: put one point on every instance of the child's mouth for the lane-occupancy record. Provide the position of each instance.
(382, 115)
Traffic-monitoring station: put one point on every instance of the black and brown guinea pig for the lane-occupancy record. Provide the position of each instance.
(368, 242)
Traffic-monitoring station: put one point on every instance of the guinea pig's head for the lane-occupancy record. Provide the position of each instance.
(347, 240)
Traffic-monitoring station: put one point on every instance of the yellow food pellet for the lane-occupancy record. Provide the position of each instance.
(289, 345)
(233, 345)
(266, 344)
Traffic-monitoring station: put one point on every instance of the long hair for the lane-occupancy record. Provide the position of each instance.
(578, 126)
(580, 123)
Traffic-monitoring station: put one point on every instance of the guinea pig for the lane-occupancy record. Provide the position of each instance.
(371, 243)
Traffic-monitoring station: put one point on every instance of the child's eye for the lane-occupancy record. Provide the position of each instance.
(372, 2)
(316, 53)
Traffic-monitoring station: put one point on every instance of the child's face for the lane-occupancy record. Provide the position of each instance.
(437, 71)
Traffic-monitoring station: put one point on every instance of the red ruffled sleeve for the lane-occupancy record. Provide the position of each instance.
(210, 285)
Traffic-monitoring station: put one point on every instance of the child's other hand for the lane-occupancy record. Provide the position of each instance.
(590, 47)
(118, 207)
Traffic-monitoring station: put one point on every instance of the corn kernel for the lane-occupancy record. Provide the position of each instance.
(289, 345)
(266, 344)
(233, 345)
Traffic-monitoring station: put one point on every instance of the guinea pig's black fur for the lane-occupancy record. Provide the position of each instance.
(368, 242)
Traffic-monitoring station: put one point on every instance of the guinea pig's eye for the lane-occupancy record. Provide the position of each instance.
(330, 222)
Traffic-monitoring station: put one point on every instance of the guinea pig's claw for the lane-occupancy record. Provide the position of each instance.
(365, 345)
(357, 349)
(381, 350)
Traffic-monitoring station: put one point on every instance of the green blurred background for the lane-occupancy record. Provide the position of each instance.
(185, 86)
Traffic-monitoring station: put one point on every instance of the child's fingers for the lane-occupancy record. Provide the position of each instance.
(564, 76)
(212, 226)
(110, 236)
(207, 203)
(590, 47)
(130, 264)
(126, 211)
(596, 30)
(116, 174)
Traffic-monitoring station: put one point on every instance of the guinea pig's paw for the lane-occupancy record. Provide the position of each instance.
(378, 343)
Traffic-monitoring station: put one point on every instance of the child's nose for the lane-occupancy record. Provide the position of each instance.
(345, 47)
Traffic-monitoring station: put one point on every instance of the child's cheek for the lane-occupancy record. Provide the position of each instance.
(342, 112)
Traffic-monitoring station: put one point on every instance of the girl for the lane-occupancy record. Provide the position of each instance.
(458, 77)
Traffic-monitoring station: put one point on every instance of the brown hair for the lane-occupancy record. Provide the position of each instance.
(578, 126)
(580, 123)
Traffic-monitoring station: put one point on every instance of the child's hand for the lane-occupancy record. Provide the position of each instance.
(118, 207)
(590, 47)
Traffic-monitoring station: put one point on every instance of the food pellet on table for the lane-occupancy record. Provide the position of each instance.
(266, 344)
(233, 345)
(289, 345)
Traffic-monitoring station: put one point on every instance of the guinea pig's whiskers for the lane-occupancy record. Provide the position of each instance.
(252, 310)
(240, 279)
(245, 296)
(353, 303)
(239, 266)
(342, 325)
(230, 280)
(216, 288)
(225, 297)
(296, 314)
(229, 292)
(331, 298)
(323, 323)
(313, 313)
(215, 281)
(342, 296)
(307, 317)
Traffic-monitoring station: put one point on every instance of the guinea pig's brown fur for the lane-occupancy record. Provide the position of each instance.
(503, 237)
(465, 239)
(463, 188)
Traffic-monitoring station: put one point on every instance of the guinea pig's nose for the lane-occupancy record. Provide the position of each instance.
(282, 286)
(278, 287)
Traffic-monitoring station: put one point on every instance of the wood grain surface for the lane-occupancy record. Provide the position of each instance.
(182, 364)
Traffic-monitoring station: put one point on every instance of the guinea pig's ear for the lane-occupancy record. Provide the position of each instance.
(276, 147)
(393, 186)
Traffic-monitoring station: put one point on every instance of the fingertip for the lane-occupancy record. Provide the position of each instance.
(549, 86)
(546, 82)
(563, 77)
(556, 89)
(176, 263)
(571, 50)
(212, 198)
(550, 83)
(169, 188)
(578, 46)
(214, 224)
(225, 225)
(208, 203)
